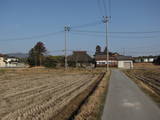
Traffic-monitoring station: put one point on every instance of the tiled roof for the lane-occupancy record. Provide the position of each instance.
(80, 56)
(120, 57)
(104, 57)
(1, 55)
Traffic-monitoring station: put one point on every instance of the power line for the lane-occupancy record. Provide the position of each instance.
(86, 34)
(87, 25)
(52, 33)
(94, 33)
(99, 7)
(105, 8)
(110, 12)
(140, 32)
(145, 32)
(112, 34)
(34, 37)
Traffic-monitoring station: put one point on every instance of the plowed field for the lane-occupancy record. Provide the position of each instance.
(39, 95)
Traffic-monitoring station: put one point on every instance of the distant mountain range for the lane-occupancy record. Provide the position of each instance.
(19, 55)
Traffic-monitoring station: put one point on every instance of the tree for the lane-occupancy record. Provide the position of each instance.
(54, 61)
(50, 62)
(105, 50)
(36, 54)
(157, 61)
(98, 49)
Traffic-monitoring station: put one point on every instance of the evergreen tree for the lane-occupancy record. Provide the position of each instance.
(36, 54)
(98, 49)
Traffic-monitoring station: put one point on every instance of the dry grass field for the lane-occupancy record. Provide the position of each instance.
(40, 94)
(145, 66)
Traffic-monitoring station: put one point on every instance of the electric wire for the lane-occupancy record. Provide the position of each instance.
(123, 32)
(34, 37)
(113, 35)
(105, 8)
(99, 7)
(87, 25)
(109, 7)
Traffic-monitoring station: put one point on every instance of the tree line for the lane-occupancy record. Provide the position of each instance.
(38, 57)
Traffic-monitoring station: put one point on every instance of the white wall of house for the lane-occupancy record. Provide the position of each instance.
(11, 65)
(2, 63)
(151, 59)
(103, 62)
(11, 59)
(127, 64)
(145, 59)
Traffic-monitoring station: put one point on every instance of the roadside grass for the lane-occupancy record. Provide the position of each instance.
(93, 107)
(2, 71)
(151, 93)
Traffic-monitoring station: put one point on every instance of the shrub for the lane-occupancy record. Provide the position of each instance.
(50, 62)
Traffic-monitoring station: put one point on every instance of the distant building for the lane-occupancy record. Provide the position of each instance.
(125, 62)
(115, 59)
(145, 59)
(8, 62)
(80, 59)
(12, 62)
(2, 62)
(101, 61)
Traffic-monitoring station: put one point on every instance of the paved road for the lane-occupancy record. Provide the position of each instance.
(125, 101)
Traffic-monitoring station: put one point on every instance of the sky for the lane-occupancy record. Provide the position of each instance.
(134, 27)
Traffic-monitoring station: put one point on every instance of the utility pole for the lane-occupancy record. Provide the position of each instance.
(106, 20)
(66, 29)
(124, 51)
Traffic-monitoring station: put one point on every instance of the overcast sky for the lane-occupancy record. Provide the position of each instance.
(26, 19)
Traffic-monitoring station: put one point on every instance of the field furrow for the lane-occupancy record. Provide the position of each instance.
(40, 97)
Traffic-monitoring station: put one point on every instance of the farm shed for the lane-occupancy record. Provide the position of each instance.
(125, 62)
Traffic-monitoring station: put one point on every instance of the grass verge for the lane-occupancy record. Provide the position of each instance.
(93, 107)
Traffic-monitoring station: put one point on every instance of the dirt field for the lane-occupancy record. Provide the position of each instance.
(146, 65)
(39, 94)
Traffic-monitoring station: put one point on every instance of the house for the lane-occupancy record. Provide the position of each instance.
(2, 62)
(101, 60)
(6, 61)
(11, 62)
(114, 61)
(80, 59)
(125, 62)
(145, 59)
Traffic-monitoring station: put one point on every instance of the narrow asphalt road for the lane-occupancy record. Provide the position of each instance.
(125, 101)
